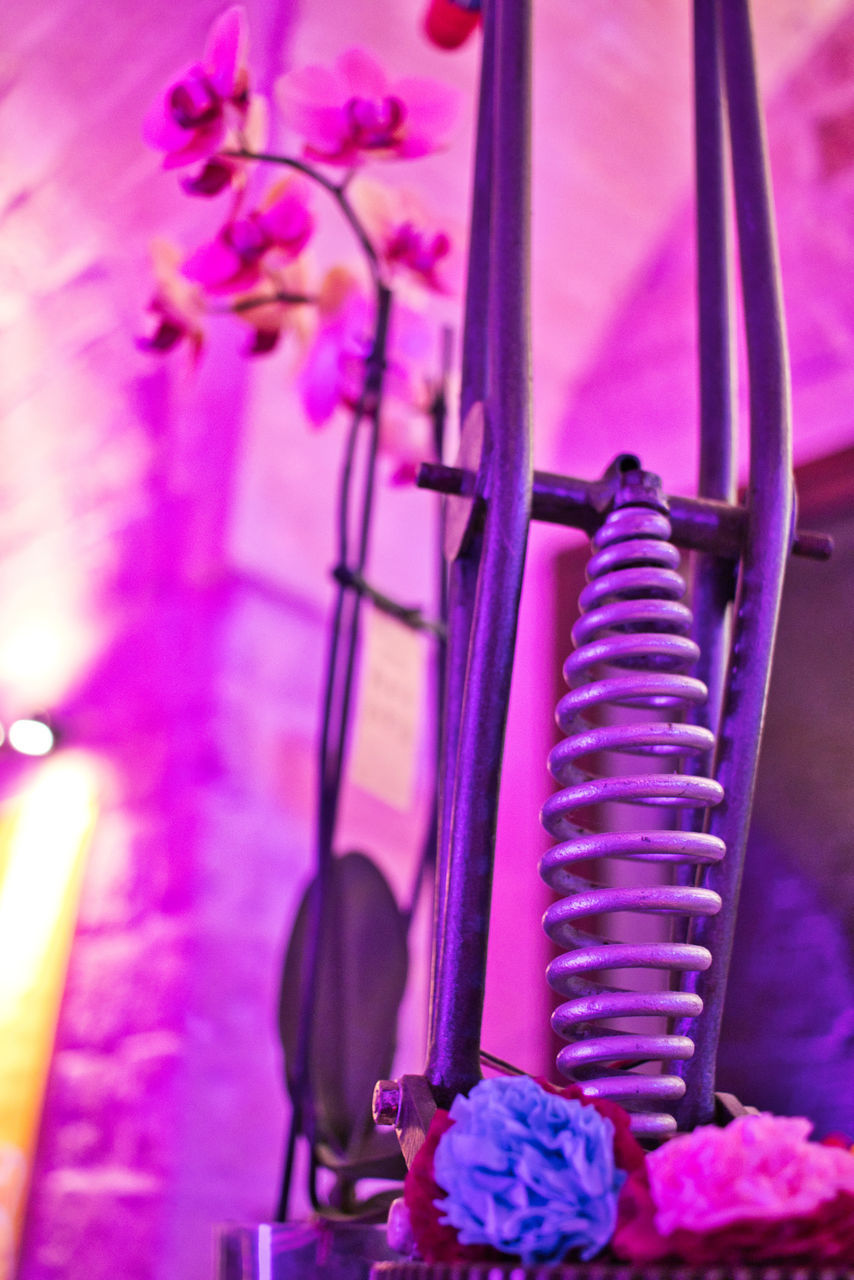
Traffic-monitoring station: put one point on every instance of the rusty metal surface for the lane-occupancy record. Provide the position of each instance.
(598, 1271)
(770, 527)
(486, 581)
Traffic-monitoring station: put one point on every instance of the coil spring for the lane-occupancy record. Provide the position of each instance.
(634, 625)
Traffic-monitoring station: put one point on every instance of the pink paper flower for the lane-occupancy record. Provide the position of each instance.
(190, 119)
(352, 112)
(279, 229)
(407, 238)
(753, 1191)
(177, 308)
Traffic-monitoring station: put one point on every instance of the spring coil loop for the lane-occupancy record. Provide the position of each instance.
(632, 651)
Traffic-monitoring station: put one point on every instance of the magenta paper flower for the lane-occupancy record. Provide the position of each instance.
(752, 1191)
(190, 119)
(336, 366)
(177, 308)
(407, 238)
(235, 259)
(352, 112)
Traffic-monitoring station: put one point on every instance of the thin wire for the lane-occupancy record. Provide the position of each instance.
(344, 630)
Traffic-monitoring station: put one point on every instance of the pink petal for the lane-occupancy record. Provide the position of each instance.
(314, 85)
(320, 380)
(362, 74)
(263, 341)
(201, 144)
(217, 267)
(226, 50)
(159, 127)
(214, 177)
(432, 109)
(166, 335)
(289, 222)
(311, 101)
(412, 337)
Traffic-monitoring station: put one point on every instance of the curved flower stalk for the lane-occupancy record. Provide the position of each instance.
(363, 349)
(348, 114)
(279, 306)
(270, 236)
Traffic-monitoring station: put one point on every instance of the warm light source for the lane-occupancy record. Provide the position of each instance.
(44, 833)
(31, 737)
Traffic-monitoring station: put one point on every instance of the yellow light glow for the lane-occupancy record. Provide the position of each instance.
(44, 833)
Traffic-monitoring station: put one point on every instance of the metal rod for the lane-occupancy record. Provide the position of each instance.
(713, 582)
(454, 1059)
(768, 544)
(462, 574)
(700, 524)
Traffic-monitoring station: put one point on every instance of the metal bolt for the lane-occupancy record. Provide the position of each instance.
(386, 1102)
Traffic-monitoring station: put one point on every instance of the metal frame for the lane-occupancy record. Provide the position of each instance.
(489, 541)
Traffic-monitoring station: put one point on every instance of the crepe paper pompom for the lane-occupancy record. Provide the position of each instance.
(753, 1191)
(528, 1172)
(422, 1195)
(628, 1152)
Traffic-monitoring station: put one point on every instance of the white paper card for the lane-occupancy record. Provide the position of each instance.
(385, 748)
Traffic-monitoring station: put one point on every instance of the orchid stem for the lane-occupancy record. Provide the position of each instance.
(261, 300)
(338, 192)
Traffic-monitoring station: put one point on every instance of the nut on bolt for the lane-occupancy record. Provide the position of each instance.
(386, 1102)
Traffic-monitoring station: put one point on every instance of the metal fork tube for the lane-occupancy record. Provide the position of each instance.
(462, 573)
(454, 1053)
(713, 578)
(769, 534)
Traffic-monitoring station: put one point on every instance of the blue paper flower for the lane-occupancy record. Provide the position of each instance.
(528, 1172)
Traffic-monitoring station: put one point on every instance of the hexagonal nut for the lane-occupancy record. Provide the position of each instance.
(386, 1102)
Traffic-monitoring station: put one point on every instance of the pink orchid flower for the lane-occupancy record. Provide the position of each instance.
(177, 308)
(333, 376)
(190, 119)
(228, 171)
(352, 112)
(408, 239)
(278, 230)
